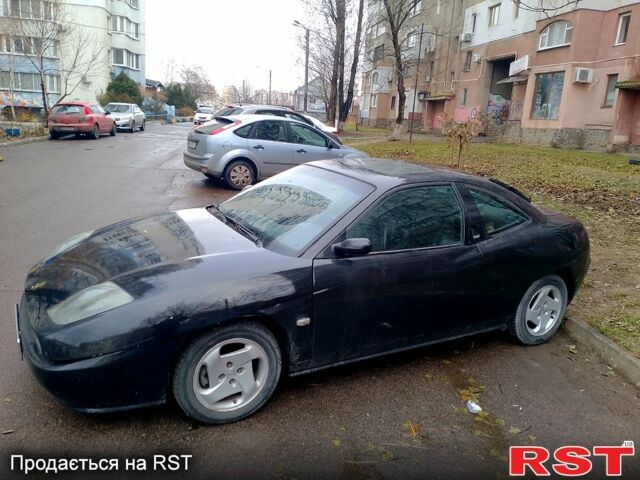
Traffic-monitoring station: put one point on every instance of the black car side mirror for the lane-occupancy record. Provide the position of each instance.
(352, 247)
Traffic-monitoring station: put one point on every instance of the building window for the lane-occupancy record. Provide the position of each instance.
(438, 5)
(407, 71)
(494, 15)
(35, 9)
(611, 90)
(547, 95)
(467, 61)
(516, 8)
(474, 22)
(378, 52)
(432, 69)
(374, 79)
(463, 101)
(29, 82)
(125, 58)
(415, 9)
(374, 101)
(623, 28)
(453, 76)
(411, 39)
(393, 102)
(558, 34)
(121, 24)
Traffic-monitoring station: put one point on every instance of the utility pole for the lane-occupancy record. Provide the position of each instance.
(415, 88)
(306, 63)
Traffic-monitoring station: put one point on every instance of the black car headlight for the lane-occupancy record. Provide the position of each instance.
(88, 302)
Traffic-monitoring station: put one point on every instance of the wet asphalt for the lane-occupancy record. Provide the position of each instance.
(398, 417)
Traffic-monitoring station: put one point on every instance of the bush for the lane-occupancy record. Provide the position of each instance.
(185, 112)
(121, 89)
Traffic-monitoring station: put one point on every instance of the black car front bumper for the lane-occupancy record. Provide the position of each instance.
(122, 380)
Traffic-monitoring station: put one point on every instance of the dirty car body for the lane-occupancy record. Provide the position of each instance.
(181, 274)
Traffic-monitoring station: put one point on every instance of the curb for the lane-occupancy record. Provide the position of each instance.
(24, 140)
(616, 356)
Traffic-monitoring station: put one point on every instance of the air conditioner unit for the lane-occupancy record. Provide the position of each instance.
(466, 37)
(583, 75)
(476, 58)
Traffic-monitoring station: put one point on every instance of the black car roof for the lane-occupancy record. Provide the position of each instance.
(383, 171)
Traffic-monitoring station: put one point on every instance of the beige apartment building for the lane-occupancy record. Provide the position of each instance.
(569, 79)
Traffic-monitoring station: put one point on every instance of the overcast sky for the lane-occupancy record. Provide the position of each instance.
(231, 39)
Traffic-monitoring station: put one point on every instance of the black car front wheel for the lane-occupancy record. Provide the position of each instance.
(239, 174)
(133, 126)
(113, 130)
(541, 311)
(142, 126)
(228, 374)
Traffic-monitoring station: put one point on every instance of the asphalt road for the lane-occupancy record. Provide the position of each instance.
(399, 417)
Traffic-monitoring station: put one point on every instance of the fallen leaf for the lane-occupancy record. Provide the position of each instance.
(514, 430)
(337, 442)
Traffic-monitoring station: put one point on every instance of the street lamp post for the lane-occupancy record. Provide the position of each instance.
(306, 63)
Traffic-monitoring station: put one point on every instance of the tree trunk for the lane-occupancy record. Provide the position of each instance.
(354, 67)
(341, 11)
(402, 97)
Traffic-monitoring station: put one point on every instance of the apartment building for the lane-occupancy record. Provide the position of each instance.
(431, 43)
(568, 77)
(113, 32)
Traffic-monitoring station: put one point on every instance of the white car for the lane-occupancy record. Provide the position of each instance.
(203, 115)
(127, 116)
(321, 126)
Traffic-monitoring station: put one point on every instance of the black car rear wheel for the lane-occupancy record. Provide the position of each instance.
(142, 126)
(239, 174)
(228, 374)
(114, 130)
(541, 311)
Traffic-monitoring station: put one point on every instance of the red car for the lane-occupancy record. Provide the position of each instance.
(80, 118)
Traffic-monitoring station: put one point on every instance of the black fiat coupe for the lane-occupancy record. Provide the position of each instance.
(327, 263)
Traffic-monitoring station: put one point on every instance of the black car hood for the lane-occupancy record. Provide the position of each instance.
(133, 245)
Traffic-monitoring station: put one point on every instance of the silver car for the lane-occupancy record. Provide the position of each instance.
(242, 149)
(127, 116)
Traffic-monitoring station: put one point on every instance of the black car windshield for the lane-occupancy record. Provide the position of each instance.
(114, 108)
(290, 210)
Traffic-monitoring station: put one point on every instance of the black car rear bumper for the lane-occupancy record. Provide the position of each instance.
(116, 381)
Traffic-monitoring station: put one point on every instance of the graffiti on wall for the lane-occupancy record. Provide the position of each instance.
(21, 99)
(464, 114)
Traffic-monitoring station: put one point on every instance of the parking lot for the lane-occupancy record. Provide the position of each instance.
(398, 417)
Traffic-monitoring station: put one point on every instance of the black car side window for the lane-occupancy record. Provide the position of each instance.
(416, 217)
(496, 215)
(272, 130)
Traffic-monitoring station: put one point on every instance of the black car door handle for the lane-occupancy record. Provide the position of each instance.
(301, 150)
(259, 147)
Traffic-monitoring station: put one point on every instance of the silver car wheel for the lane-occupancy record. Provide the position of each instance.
(230, 375)
(240, 175)
(544, 310)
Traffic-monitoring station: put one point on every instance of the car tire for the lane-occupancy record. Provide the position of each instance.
(239, 174)
(142, 126)
(113, 130)
(540, 312)
(243, 362)
(95, 132)
(133, 126)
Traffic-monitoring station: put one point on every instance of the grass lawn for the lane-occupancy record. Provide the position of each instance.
(602, 190)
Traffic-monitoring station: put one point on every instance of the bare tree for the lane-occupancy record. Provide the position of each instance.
(197, 81)
(84, 54)
(395, 14)
(547, 7)
(244, 94)
(345, 106)
(47, 31)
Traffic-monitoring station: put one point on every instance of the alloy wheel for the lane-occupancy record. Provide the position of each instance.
(240, 175)
(543, 310)
(230, 375)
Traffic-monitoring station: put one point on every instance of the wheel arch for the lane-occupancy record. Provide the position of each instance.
(254, 165)
(566, 274)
